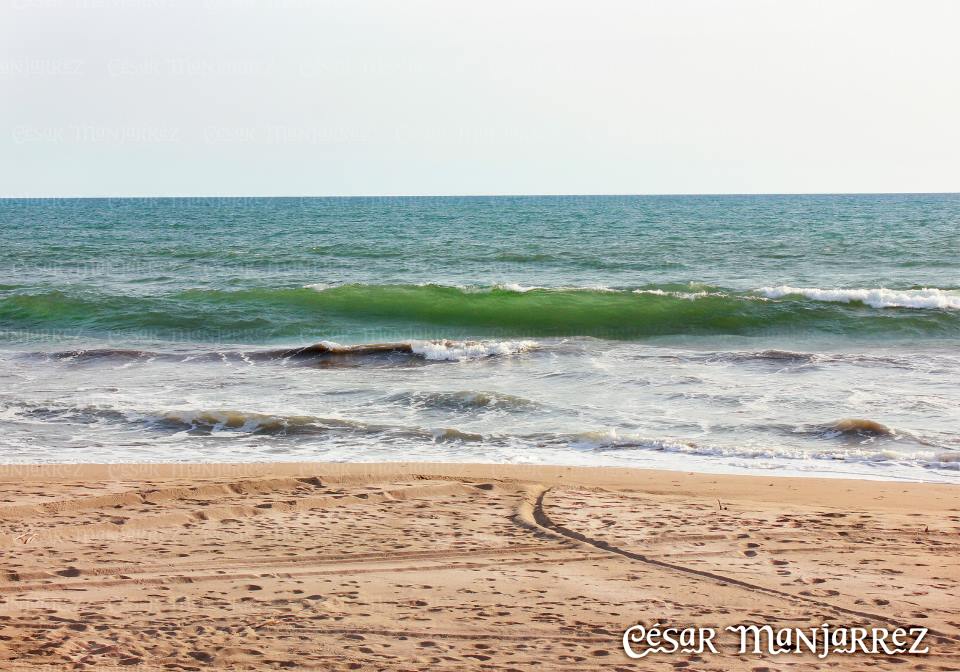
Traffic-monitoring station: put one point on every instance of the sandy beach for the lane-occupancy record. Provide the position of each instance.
(444, 566)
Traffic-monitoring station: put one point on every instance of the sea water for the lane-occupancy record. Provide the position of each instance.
(790, 334)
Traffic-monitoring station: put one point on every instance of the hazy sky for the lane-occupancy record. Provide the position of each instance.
(362, 97)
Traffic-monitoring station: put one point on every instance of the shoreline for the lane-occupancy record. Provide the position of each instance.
(457, 566)
(600, 473)
(594, 474)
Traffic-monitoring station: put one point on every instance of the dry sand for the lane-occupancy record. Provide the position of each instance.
(450, 567)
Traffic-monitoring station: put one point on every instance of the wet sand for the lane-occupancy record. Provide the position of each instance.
(449, 567)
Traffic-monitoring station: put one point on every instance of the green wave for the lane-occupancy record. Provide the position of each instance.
(428, 311)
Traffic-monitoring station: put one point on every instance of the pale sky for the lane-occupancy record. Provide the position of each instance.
(403, 97)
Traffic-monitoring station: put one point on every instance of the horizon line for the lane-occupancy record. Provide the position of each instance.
(493, 195)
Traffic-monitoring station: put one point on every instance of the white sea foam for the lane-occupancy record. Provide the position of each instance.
(690, 296)
(516, 287)
(522, 289)
(456, 351)
(612, 440)
(330, 345)
(877, 297)
(481, 289)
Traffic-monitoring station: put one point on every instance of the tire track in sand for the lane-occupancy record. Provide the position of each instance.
(532, 515)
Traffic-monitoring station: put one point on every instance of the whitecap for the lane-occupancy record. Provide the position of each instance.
(456, 351)
(880, 297)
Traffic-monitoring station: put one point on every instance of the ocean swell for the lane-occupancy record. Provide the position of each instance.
(505, 313)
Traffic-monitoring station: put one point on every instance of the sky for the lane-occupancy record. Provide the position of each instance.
(390, 97)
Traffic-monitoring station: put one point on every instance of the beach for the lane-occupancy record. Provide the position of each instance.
(410, 566)
(484, 433)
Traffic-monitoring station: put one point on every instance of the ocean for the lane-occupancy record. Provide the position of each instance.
(793, 335)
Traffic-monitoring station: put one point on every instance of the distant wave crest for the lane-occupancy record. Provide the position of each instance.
(928, 297)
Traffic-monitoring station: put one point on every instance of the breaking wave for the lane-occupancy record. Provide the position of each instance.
(324, 353)
(500, 312)
(926, 298)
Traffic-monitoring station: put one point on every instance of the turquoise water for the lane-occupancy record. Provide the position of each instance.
(711, 333)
